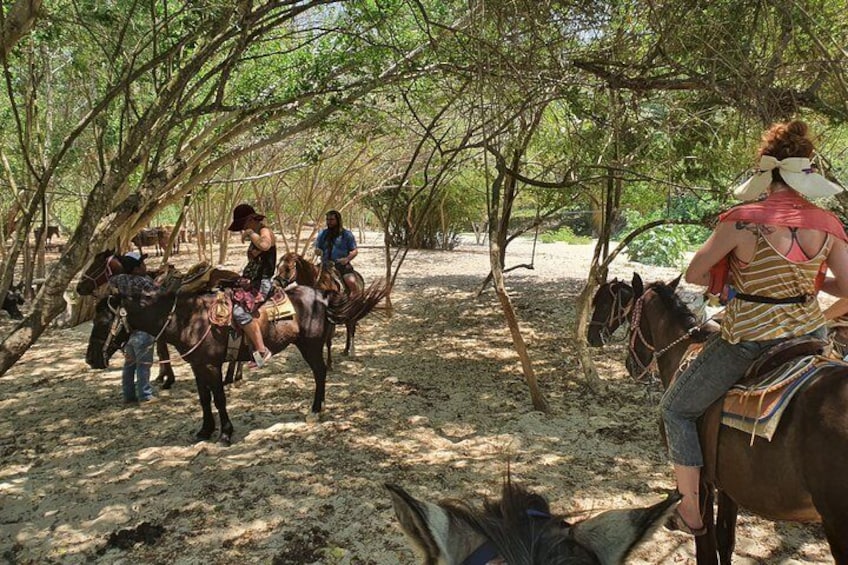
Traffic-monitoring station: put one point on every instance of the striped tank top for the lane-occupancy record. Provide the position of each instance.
(771, 274)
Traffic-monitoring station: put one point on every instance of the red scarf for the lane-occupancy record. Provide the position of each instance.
(787, 209)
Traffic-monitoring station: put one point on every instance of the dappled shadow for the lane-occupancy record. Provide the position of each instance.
(434, 401)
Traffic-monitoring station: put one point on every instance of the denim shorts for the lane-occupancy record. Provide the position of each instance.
(719, 366)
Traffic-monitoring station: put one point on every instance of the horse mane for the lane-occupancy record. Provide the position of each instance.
(678, 309)
(521, 529)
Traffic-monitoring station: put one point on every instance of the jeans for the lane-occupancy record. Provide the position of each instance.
(719, 366)
(135, 378)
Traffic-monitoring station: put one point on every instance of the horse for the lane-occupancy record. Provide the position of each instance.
(104, 266)
(295, 268)
(520, 529)
(797, 476)
(52, 231)
(188, 322)
(13, 300)
(107, 264)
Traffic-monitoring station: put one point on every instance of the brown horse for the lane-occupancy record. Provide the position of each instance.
(107, 264)
(519, 529)
(295, 268)
(186, 322)
(798, 476)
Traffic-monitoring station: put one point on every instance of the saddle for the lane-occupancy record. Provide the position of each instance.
(278, 307)
(203, 278)
(762, 394)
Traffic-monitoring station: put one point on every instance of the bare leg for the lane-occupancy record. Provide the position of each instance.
(254, 334)
(688, 484)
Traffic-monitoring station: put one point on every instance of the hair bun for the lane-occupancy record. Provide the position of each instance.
(797, 128)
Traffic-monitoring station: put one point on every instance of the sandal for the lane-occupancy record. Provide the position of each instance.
(676, 523)
(259, 359)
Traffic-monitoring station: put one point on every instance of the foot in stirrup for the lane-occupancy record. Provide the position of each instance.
(259, 359)
(676, 523)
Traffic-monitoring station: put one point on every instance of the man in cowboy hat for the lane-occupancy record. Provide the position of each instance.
(259, 274)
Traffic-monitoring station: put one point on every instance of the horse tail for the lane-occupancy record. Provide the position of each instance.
(343, 309)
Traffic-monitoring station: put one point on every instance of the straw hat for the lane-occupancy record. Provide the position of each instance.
(797, 172)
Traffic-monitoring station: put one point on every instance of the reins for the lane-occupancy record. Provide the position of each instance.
(121, 320)
(636, 333)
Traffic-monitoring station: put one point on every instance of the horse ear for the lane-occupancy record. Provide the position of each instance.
(673, 284)
(415, 518)
(638, 285)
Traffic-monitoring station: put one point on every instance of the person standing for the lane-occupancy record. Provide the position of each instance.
(772, 256)
(257, 276)
(138, 351)
(337, 245)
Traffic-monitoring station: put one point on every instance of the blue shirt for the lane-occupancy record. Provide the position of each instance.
(339, 248)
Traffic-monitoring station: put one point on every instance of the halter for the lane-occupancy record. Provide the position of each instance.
(105, 274)
(617, 315)
(487, 553)
(636, 333)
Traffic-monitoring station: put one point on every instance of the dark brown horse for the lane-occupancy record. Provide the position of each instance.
(107, 264)
(798, 476)
(295, 268)
(185, 322)
(519, 529)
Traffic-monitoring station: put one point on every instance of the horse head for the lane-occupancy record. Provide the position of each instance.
(109, 332)
(520, 529)
(102, 267)
(660, 320)
(611, 307)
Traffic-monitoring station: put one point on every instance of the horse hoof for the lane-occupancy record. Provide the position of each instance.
(224, 441)
(202, 436)
(313, 417)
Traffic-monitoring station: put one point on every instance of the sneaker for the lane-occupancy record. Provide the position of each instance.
(259, 359)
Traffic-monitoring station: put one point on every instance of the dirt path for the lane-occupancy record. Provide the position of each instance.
(434, 401)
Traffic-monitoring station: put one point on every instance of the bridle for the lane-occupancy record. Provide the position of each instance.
(105, 274)
(637, 336)
(618, 313)
(487, 553)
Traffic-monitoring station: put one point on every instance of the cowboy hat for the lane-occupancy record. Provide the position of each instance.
(797, 172)
(241, 214)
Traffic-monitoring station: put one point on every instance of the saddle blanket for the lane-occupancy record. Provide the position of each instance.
(278, 307)
(757, 410)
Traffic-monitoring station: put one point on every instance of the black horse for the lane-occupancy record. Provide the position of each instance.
(186, 322)
(13, 300)
(519, 529)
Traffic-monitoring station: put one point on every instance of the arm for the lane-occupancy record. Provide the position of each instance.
(721, 242)
(837, 262)
(263, 239)
(352, 250)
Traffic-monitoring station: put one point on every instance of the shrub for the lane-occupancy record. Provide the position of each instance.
(664, 246)
(564, 234)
